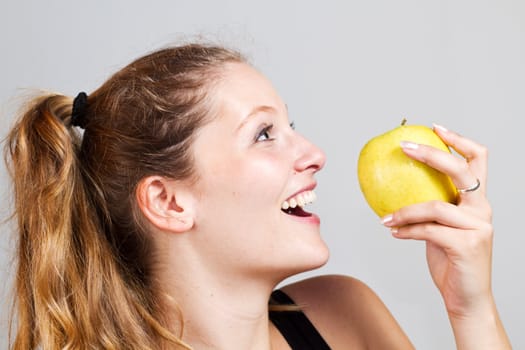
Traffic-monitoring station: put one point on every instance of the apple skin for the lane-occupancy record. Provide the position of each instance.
(390, 180)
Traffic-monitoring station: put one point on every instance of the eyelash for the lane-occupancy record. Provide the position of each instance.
(266, 130)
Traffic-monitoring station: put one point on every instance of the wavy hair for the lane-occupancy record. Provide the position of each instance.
(84, 261)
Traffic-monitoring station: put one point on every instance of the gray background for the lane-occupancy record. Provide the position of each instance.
(348, 70)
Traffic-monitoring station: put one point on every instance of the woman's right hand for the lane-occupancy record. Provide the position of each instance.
(459, 241)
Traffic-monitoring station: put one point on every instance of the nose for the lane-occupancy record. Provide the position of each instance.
(309, 156)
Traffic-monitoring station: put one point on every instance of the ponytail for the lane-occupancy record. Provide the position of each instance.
(86, 276)
(71, 290)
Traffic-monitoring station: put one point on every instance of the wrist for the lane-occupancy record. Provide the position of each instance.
(480, 328)
(479, 307)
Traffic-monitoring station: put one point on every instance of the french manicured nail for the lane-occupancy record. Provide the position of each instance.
(409, 145)
(386, 220)
(440, 127)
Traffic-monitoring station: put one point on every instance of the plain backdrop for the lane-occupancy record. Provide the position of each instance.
(348, 70)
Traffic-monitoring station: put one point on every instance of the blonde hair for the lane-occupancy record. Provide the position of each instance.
(84, 261)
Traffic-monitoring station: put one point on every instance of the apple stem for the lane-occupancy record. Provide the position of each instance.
(404, 121)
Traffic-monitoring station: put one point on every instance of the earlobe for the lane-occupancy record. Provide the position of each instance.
(165, 203)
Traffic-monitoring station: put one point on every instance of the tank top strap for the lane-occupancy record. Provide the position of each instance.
(295, 327)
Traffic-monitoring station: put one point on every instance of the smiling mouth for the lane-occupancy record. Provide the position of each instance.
(297, 211)
(294, 206)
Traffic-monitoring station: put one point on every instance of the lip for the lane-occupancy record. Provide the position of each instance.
(312, 219)
(310, 187)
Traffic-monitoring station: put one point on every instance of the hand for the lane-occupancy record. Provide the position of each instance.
(458, 237)
(459, 241)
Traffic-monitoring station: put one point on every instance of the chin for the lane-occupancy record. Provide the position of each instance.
(321, 258)
(311, 260)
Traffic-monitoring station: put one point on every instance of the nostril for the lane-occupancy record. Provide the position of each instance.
(312, 158)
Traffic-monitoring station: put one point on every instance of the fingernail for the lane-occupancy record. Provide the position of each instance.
(440, 127)
(394, 230)
(409, 145)
(386, 220)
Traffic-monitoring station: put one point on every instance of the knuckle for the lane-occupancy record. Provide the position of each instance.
(483, 151)
(437, 207)
(487, 231)
(483, 210)
(487, 210)
(480, 238)
(462, 168)
(426, 228)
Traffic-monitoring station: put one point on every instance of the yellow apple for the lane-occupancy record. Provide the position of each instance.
(389, 179)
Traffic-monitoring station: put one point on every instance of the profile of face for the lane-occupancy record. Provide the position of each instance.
(249, 162)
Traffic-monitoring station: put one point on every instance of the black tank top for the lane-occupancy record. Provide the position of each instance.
(295, 327)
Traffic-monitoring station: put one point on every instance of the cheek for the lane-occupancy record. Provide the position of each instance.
(266, 174)
(256, 182)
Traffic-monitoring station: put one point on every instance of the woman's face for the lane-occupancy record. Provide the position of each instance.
(250, 162)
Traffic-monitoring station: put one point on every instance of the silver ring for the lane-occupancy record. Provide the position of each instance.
(471, 188)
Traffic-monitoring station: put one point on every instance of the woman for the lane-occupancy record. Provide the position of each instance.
(170, 219)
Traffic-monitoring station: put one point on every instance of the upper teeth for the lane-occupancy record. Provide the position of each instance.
(301, 200)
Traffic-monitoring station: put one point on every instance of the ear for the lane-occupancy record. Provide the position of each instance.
(166, 203)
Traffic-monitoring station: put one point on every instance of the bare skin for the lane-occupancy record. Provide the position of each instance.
(347, 313)
(223, 242)
(459, 249)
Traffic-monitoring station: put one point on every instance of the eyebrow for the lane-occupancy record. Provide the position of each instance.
(256, 110)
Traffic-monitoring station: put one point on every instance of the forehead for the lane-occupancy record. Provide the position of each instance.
(242, 89)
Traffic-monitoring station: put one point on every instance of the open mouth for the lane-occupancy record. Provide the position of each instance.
(294, 206)
(297, 211)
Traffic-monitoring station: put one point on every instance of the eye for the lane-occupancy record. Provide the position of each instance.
(264, 134)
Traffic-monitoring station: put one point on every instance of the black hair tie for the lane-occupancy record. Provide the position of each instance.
(78, 114)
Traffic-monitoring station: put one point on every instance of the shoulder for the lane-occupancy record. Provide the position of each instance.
(347, 313)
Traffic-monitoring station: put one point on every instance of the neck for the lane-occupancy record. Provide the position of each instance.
(219, 310)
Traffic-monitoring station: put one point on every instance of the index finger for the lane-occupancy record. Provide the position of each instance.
(475, 154)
